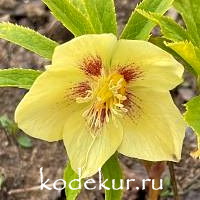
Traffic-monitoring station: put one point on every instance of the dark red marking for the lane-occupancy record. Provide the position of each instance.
(132, 104)
(81, 90)
(130, 72)
(92, 66)
(103, 116)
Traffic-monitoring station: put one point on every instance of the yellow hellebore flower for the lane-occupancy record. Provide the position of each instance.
(103, 95)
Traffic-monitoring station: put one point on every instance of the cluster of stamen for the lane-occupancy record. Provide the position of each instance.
(107, 101)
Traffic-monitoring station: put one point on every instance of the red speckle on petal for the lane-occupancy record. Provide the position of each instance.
(92, 66)
(81, 90)
(133, 105)
(130, 72)
(103, 115)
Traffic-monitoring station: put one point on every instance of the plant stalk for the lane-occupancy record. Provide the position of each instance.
(173, 180)
(155, 171)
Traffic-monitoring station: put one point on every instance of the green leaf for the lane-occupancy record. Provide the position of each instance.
(24, 141)
(189, 9)
(188, 52)
(192, 115)
(167, 188)
(80, 5)
(28, 39)
(9, 125)
(170, 29)
(112, 171)
(102, 15)
(21, 78)
(70, 175)
(139, 27)
(71, 17)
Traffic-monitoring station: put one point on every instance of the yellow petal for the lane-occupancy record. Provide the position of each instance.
(86, 151)
(156, 131)
(44, 109)
(93, 51)
(157, 68)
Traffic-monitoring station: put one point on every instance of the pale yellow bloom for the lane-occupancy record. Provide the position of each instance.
(103, 95)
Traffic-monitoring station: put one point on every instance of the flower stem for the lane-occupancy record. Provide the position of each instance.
(173, 180)
(155, 171)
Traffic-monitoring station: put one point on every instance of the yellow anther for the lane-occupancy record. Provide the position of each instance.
(108, 100)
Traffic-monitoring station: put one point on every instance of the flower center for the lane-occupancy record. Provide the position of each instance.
(108, 100)
(112, 89)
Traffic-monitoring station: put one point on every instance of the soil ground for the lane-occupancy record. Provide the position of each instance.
(20, 166)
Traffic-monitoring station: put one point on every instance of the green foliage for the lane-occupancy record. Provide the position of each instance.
(189, 9)
(138, 27)
(21, 78)
(189, 49)
(102, 15)
(79, 4)
(170, 29)
(70, 16)
(28, 39)
(9, 125)
(184, 43)
(167, 188)
(112, 170)
(24, 141)
(192, 114)
(70, 175)
(93, 13)
(11, 129)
